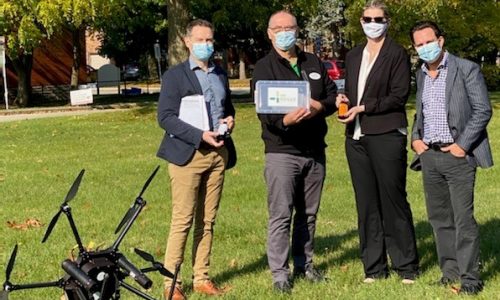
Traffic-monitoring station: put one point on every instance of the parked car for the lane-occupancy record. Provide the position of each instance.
(335, 68)
(131, 72)
(336, 71)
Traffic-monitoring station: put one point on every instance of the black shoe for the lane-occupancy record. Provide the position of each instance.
(445, 281)
(310, 274)
(283, 287)
(471, 289)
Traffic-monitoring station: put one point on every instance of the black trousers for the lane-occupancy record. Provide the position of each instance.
(385, 223)
(449, 194)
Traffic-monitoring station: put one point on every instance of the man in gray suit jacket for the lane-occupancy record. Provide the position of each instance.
(450, 140)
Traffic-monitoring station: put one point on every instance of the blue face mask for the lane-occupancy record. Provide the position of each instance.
(203, 51)
(374, 30)
(285, 40)
(429, 52)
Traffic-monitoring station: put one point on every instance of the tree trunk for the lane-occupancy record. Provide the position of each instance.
(242, 70)
(23, 65)
(178, 18)
(77, 47)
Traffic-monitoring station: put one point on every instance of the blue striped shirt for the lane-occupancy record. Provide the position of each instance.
(213, 92)
(436, 129)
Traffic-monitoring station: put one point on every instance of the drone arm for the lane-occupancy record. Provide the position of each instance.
(74, 229)
(134, 272)
(135, 291)
(17, 287)
(136, 210)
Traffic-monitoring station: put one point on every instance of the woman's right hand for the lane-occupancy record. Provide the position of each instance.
(341, 98)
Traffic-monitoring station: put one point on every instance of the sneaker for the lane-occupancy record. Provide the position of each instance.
(471, 289)
(283, 287)
(312, 274)
(369, 280)
(208, 287)
(446, 281)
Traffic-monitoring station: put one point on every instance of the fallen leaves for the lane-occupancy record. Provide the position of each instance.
(28, 224)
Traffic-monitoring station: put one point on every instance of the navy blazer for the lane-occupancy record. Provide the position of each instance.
(182, 139)
(468, 108)
(386, 90)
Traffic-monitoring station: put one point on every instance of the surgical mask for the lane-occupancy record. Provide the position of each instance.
(429, 52)
(203, 51)
(374, 30)
(285, 40)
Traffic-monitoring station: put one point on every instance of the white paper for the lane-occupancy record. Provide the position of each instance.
(283, 96)
(193, 111)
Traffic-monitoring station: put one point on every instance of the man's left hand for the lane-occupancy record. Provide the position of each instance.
(455, 150)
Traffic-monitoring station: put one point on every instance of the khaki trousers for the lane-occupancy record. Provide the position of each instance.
(196, 192)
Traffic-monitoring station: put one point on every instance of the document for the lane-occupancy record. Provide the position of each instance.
(193, 111)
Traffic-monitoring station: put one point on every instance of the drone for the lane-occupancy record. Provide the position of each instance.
(100, 274)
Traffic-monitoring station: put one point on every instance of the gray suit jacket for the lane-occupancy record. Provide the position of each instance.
(181, 139)
(468, 107)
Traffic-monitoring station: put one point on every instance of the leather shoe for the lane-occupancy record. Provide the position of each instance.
(178, 293)
(208, 288)
(310, 274)
(283, 287)
(471, 289)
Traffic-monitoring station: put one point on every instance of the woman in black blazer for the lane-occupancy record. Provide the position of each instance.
(376, 90)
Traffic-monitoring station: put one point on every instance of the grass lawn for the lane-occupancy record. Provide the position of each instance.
(39, 159)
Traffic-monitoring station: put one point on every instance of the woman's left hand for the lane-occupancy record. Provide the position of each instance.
(352, 113)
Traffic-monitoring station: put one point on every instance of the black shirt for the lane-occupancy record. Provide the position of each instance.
(308, 137)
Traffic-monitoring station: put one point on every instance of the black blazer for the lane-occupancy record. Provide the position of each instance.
(181, 139)
(386, 90)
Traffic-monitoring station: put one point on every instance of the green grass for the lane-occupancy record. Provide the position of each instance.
(39, 160)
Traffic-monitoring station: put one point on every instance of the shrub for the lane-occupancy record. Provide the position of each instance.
(492, 76)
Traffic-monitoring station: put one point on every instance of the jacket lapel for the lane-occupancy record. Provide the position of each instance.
(379, 60)
(353, 88)
(450, 79)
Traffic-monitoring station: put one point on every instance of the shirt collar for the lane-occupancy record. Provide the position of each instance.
(442, 65)
(193, 66)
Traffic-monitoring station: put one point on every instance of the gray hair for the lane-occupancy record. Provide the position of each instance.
(281, 12)
(377, 4)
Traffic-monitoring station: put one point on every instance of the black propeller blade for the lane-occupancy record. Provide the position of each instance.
(4, 295)
(71, 194)
(156, 265)
(130, 211)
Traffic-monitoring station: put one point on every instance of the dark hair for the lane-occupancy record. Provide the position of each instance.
(425, 24)
(377, 4)
(198, 22)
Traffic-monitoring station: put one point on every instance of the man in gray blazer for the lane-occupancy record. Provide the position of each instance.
(450, 140)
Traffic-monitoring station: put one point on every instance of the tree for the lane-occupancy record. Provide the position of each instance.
(178, 18)
(77, 16)
(25, 23)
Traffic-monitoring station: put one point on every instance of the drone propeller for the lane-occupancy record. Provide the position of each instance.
(156, 265)
(5, 292)
(130, 211)
(71, 194)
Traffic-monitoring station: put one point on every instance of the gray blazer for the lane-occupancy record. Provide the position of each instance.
(469, 111)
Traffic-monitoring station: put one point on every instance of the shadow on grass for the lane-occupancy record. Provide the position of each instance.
(323, 245)
(489, 247)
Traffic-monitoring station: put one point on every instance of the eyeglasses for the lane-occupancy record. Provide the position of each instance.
(380, 20)
(283, 28)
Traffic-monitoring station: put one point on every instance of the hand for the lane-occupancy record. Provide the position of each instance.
(229, 122)
(210, 138)
(341, 98)
(295, 116)
(352, 113)
(419, 146)
(455, 150)
(315, 107)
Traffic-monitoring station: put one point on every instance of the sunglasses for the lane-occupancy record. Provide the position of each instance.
(379, 20)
